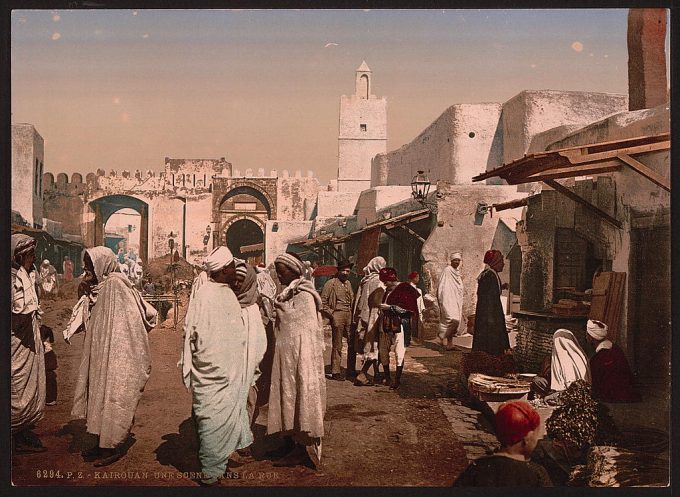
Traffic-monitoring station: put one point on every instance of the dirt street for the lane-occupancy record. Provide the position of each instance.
(374, 436)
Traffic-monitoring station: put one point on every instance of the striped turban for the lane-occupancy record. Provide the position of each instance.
(22, 244)
(493, 257)
(292, 263)
(241, 268)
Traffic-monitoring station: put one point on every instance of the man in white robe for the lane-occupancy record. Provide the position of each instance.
(450, 296)
(214, 367)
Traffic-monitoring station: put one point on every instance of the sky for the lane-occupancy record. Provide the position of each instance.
(123, 89)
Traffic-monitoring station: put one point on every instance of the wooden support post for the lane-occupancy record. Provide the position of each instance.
(648, 173)
(413, 233)
(568, 193)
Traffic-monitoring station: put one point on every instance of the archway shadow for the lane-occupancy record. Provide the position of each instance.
(180, 450)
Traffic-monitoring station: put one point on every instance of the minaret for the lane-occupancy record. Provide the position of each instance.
(362, 133)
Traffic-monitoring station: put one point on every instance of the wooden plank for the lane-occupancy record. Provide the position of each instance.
(512, 204)
(575, 157)
(630, 142)
(607, 300)
(645, 171)
(616, 305)
(598, 303)
(413, 233)
(571, 172)
(576, 198)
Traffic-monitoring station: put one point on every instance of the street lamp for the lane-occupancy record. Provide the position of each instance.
(420, 186)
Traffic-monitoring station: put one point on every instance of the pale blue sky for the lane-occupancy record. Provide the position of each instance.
(123, 89)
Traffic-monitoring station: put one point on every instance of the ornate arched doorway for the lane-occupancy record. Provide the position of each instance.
(241, 214)
(242, 237)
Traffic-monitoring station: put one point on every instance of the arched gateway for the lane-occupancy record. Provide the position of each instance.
(105, 207)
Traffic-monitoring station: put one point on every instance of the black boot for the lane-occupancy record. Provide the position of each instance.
(397, 379)
(387, 379)
(376, 378)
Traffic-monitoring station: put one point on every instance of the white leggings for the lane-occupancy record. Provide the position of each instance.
(390, 341)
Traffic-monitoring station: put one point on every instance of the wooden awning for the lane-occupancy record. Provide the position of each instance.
(388, 224)
(249, 249)
(584, 160)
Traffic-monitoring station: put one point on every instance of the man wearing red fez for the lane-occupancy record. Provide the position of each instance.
(517, 430)
(399, 303)
(491, 335)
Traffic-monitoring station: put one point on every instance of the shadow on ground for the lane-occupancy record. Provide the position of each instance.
(180, 450)
(80, 439)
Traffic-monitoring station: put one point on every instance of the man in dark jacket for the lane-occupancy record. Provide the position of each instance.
(337, 297)
(491, 335)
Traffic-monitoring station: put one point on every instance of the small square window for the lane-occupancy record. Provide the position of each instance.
(363, 127)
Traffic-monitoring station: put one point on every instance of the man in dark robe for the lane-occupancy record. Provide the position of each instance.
(612, 380)
(491, 335)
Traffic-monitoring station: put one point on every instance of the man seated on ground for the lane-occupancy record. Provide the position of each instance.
(612, 379)
(517, 430)
(567, 364)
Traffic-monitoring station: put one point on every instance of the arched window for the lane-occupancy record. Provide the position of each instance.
(363, 86)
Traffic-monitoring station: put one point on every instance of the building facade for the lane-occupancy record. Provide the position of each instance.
(28, 163)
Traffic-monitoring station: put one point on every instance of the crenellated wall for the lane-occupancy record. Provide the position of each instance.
(183, 200)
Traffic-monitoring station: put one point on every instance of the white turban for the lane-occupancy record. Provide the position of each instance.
(597, 329)
(217, 259)
(456, 255)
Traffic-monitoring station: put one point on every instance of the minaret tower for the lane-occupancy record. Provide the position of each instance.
(362, 133)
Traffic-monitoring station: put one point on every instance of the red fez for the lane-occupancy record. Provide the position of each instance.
(387, 274)
(493, 257)
(514, 420)
(412, 275)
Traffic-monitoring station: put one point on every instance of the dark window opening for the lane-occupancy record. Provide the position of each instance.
(575, 265)
(472, 134)
(363, 127)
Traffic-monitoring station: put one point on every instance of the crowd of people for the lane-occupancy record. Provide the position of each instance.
(254, 336)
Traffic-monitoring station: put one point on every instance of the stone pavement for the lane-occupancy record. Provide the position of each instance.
(437, 375)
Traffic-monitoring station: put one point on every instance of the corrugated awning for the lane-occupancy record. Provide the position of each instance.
(583, 160)
(409, 217)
